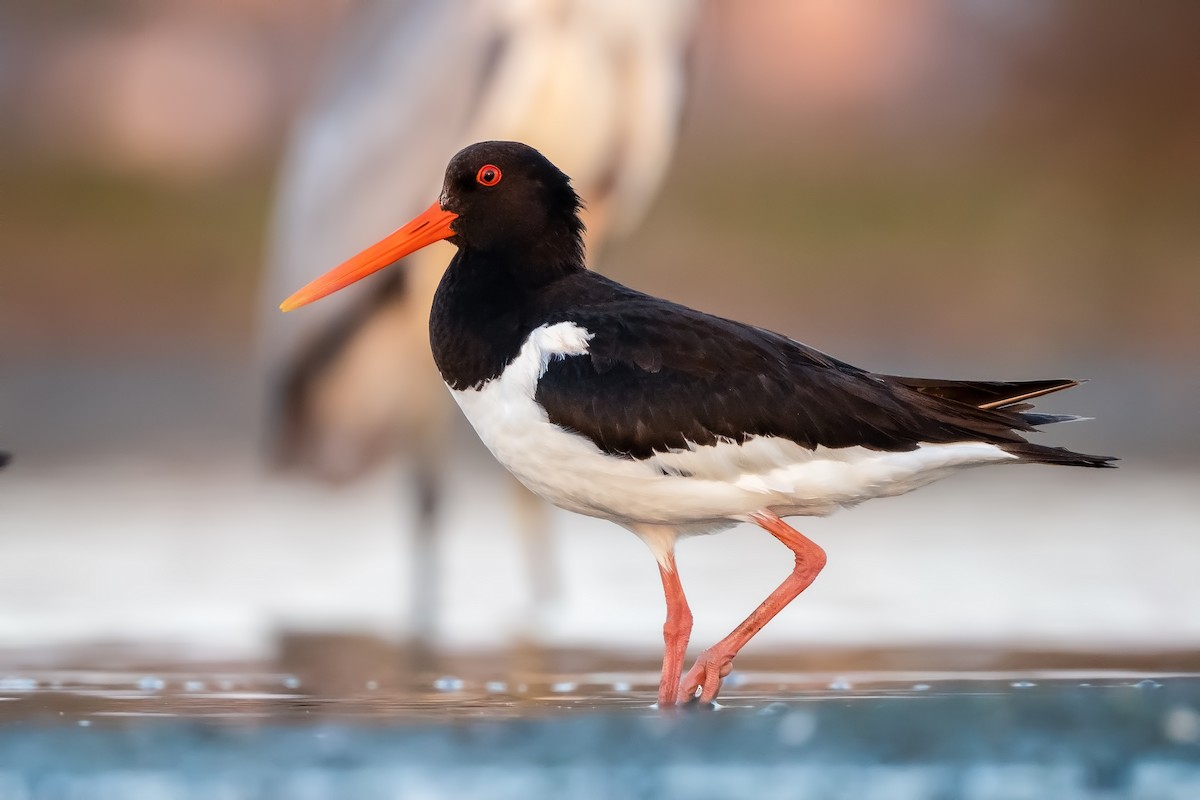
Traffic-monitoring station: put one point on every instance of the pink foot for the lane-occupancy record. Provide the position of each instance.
(706, 675)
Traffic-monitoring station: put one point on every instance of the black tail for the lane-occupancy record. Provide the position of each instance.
(1040, 454)
(1013, 396)
(986, 394)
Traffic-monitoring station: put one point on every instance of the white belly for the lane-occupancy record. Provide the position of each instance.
(698, 488)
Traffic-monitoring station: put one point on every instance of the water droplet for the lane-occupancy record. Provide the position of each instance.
(622, 686)
(291, 682)
(1182, 725)
(1022, 684)
(797, 727)
(85, 723)
(448, 683)
(151, 684)
(563, 686)
(921, 687)
(372, 685)
(840, 685)
(193, 686)
(1147, 684)
(496, 687)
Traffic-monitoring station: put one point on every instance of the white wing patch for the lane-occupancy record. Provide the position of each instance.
(546, 343)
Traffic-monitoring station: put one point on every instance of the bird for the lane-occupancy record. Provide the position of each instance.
(599, 85)
(663, 419)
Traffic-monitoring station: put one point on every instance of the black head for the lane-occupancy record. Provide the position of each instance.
(509, 198)
(501, 200)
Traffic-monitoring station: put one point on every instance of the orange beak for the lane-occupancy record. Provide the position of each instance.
(432, 225)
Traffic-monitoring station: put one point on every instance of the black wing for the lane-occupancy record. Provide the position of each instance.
(659, 376)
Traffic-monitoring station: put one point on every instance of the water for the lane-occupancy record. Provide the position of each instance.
(264, 734)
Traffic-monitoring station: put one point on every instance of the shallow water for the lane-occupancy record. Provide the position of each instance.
(248, 698)
(266, 734)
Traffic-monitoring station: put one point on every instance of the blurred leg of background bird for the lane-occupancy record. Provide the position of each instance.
(677, 630)
(425, 570)
(717, 661)
(533, 522)
(359, 393)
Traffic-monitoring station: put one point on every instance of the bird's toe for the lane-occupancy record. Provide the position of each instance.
(702, 682)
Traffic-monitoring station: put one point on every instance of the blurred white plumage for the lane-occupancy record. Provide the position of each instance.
(596, 85)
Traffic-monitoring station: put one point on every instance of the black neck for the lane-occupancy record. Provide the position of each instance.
(486, 306)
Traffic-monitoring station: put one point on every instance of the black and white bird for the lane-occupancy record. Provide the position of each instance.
(663, 419)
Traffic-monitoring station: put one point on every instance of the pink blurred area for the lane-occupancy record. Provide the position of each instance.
(178, 88)
(174, 89)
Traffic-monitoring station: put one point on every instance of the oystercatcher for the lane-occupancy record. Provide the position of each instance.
(663, 419)
(597, 85)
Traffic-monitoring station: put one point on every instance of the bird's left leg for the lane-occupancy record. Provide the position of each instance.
(717, 661)
(676, 632)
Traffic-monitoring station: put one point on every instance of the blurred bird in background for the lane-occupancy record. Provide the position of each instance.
(596, 85)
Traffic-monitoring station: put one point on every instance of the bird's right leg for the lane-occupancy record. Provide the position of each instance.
(677, 630)
(715, 663)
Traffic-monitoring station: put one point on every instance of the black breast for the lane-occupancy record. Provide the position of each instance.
(485, 308)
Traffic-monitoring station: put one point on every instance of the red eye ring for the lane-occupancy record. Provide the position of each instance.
(488, 175)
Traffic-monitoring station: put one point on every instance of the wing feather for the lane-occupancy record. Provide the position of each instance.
(660, 377)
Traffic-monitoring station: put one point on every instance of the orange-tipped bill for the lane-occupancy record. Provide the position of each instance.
(432, 225)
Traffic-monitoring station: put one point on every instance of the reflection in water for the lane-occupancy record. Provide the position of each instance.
(566, 723)
(359, 677)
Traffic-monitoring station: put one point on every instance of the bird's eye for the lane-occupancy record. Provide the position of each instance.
(488, 175)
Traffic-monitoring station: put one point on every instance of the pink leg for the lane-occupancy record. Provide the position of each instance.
(676, 632)
(717, 661)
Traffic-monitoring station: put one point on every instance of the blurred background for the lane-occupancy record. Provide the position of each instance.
(976, 189)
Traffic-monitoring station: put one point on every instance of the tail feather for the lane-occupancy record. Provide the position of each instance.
(1041, 454)
(986, 394)
(1012, 397)
(1037, 418)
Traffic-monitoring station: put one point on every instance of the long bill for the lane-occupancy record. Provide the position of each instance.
(431, 225)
